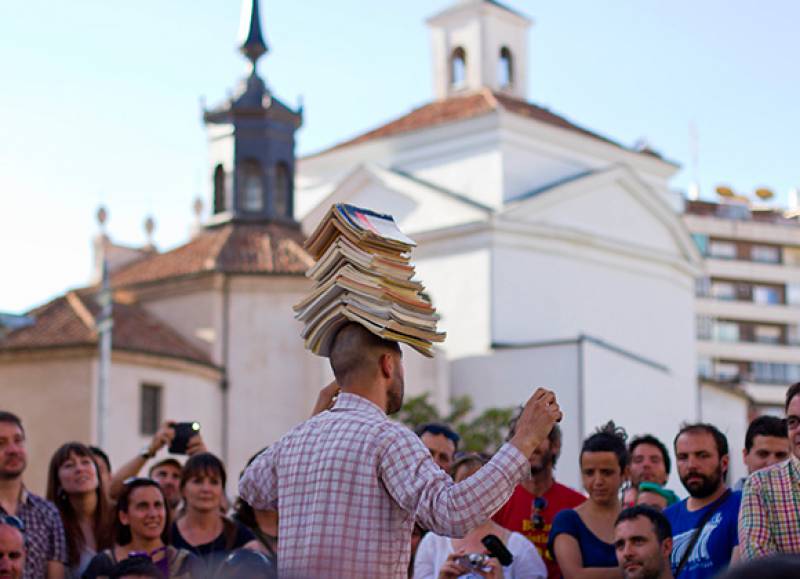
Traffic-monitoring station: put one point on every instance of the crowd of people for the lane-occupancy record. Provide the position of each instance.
(350, 493)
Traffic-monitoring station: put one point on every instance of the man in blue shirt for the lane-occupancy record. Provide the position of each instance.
(704, 526)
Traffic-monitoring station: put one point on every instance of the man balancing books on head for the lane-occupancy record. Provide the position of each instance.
(349, 483)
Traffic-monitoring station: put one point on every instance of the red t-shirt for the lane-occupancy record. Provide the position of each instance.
(517, 515)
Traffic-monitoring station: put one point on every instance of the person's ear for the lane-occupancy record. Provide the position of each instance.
(724, 462)
(666, 548)
(123, 518)
(386, 365)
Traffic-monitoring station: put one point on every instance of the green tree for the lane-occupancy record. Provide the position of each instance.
(484, 432)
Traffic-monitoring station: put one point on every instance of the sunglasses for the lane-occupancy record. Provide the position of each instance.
(13, 521)
(537, 517)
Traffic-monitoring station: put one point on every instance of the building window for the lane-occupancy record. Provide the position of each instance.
(772, 373)
(705, 368)
(793, 294)
(791, 256)
(702, 287)
(283, 190)
(704, 327)
(219, 189)
(505, 68)
(252, 186)
(765, 253)
(726, 371)
(149, 409)
(726, 332)
(766, 295)
(722, 249)
(458, 67)
(767, 334)
(701, 241)
(723, 290)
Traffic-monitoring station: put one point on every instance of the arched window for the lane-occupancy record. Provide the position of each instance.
(505, 68)
(252, 189)
(219, 189)
(458, 67)
(282, 190)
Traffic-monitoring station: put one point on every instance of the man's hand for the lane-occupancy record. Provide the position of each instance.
(541, 412)
(162, 438)
(452, 569)
(326, 398)
(493, 570)
(196, 445)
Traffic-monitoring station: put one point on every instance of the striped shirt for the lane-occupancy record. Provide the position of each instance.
(769, 520)
(348, 485)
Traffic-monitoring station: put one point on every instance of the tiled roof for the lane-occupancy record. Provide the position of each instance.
(465, 107)
(266, 248)
(69, 321)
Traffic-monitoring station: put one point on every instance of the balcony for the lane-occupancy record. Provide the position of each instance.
(775, 273)
(748, 351)
(747, 311)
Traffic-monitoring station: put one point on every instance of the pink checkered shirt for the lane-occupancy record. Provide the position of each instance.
(769, 518)
(348, 485)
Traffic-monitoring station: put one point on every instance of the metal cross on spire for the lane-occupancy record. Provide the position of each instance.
(252, 40)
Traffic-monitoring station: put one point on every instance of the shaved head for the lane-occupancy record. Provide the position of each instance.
(356, 351)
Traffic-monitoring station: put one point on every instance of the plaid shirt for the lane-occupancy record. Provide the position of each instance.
(44, 534)
(769, 520)
(348, 485)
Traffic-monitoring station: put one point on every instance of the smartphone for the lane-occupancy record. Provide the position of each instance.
(184, 431)
(497, 549)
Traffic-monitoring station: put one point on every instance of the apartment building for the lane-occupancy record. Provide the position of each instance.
(748, 301)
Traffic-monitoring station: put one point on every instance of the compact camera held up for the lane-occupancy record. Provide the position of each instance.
(495, 548)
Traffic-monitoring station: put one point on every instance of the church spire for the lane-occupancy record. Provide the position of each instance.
(253, 45)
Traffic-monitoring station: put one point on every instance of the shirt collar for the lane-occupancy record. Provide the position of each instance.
(796, 463)
(349, 401)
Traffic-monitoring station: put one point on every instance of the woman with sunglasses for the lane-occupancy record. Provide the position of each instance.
(439, 557)
(582, 539)
(141, 528)
(75, 487)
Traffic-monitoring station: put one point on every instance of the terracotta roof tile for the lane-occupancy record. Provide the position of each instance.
(269, 248)
(63, 322)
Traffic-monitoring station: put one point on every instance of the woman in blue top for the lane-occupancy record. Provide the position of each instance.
(581, 539)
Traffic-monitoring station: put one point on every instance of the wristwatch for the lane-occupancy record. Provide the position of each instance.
(146, 453)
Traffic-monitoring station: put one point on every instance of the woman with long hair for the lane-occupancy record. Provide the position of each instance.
(141, 529)
(75, 487)
(582, 539)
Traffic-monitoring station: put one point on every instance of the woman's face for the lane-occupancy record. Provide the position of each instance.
(602, 476)
(146, 514)
(78, 475)
(203, 492)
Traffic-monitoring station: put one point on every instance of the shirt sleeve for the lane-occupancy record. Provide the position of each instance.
(425, 558)
(420, 487)
(564, 523)
(755, 538)
(527, 563)
(259, 485)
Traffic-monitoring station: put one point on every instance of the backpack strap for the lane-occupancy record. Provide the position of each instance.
(712, 508)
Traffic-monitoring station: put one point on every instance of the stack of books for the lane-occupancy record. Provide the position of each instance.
(363, 274)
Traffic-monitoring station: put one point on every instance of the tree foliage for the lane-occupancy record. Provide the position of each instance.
(484, 432)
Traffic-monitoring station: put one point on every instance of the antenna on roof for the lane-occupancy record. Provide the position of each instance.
(694, 152)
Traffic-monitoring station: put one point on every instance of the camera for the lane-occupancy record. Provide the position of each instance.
(184, 431)
(473, 561)
(495, 547)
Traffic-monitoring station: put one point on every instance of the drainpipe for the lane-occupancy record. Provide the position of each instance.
(224, 384)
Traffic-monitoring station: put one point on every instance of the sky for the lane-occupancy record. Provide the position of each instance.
(101, 100)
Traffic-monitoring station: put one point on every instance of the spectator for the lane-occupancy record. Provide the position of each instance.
(263, 524)
(167, 473)
(703, 525)
(441, 441)
(161, 439)
(582, 539)
(775, 567)
(73, 484)
(654, 495)
(203, 529)
(246, 564)
(354, 457)
(770, 517)
(104, 467)
(135, 568)
(537, 500)
(437, 556)
(12, 547)
(141, 527)
(765, 443)
(643, 540)
(650, 462)
(46, 544)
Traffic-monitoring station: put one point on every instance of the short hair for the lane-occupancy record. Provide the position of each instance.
(468, 458)
(698, 427)
(765, 426)
(136, 566)
(437, 428)
(660, 522)
(100, 453)
(351, 348)
(11, 418)
(122, 533)
(554, 436)
(165, 462)
(608, 438)
(203, 464)
(793, 391)
(652, 441)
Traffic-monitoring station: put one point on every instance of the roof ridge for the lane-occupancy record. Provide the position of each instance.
(490, 97)
(217, 250)
(80, 309)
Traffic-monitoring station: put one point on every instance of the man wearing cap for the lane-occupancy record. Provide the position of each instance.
(654, 495)
(351, 482)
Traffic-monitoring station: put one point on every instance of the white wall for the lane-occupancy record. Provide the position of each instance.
(728, 412)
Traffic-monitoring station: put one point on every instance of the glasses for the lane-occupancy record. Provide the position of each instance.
(13, 521)
(537, 517)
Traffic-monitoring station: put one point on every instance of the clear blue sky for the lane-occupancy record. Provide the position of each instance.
(100, 99)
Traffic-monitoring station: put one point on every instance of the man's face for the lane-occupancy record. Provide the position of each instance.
(168, 476)
(543, 457)
(639, 553)
(13, 457)
(442, 449)
(647, 465)
(700, 467)
(650, 499)
(394, 396)
(793, 423)
(766, 451)
(12, 552)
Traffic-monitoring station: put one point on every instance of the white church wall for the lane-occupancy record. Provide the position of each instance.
(728, 411)
(527, 167)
